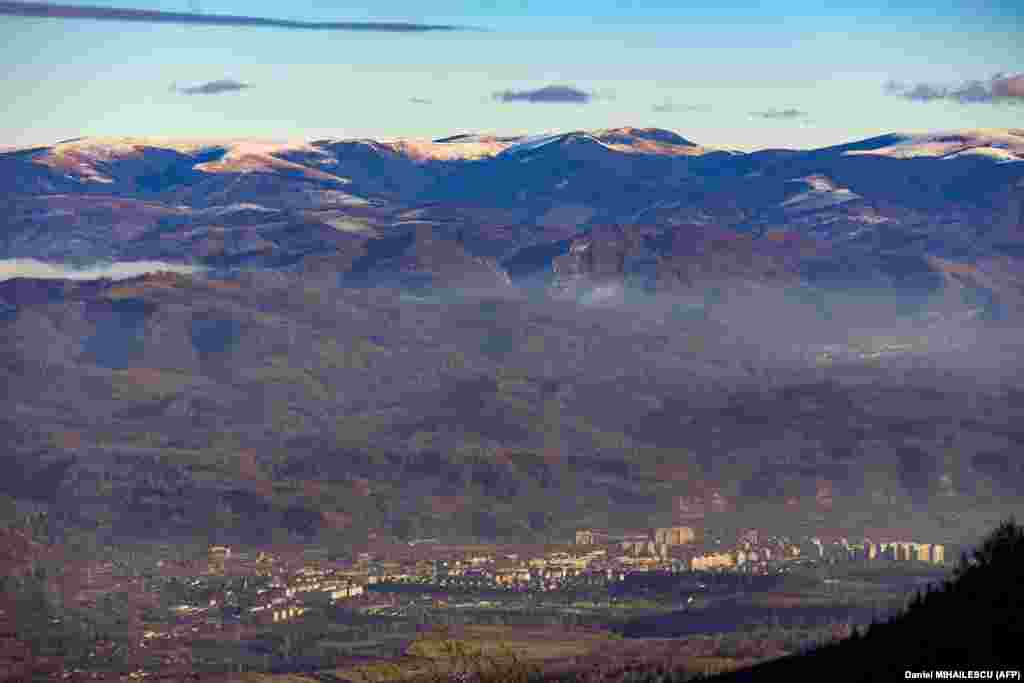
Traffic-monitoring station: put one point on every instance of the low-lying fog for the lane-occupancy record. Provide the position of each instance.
(746, 327)
(41, 270)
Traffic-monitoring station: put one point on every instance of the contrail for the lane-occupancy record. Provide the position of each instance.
(50, 11)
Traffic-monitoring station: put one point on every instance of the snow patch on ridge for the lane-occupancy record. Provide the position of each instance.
(532, 142)
(1004, 145)
(822, 193)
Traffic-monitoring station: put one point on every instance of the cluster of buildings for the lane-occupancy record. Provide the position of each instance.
(640, 544)
(285, 597)
(712, 561)
(277, 594)
(597, 558)
(264, 589)
(866, 549)
(674, 547)
(509, 571)
(752, 552)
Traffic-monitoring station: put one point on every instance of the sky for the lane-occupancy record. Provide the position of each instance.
(735, 74)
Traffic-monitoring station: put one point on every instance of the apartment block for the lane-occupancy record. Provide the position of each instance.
(674, 535)
(712, 561)
(591, 537)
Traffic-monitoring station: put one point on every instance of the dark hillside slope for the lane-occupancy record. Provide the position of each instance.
(971, 622)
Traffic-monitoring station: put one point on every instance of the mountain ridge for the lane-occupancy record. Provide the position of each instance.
(627, 129)
(838, 214)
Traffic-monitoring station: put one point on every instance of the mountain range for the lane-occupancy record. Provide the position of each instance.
(904, 210)
(511, 336)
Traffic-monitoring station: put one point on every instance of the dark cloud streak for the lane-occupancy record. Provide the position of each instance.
(780, 114)
(998, 89)
(669, 107)
(212, 87)
(545, 95)
(47, 10)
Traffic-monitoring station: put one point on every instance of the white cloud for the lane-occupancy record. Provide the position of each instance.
(40, 270)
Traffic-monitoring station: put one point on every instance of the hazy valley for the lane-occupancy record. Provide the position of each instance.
(487, 340)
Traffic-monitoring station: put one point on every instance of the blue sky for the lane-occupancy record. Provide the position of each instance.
(715, 73)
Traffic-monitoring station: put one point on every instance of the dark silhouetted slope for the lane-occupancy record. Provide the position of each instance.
(971, 622)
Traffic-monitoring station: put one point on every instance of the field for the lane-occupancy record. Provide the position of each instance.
(434, 652)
